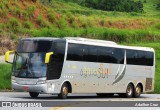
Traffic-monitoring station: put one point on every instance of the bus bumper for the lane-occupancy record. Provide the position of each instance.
(40, 88)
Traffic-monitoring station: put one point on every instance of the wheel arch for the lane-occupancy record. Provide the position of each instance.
(68, 84)
(131, 84)
(140, 83)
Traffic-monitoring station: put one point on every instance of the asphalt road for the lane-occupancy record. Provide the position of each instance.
(24, 96)
(76, 100)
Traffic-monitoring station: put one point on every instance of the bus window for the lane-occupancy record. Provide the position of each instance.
(91, 54)
(149, 58)
(131, 57)
(75, 52)
(56, 62)
(141, 60)
(118, 55)
(34, 46)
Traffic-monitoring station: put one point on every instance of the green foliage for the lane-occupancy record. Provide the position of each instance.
(5, 76)
(28, 24)
(3, 8)
(62, 23)
(45, 2)
(112, 5)
(30, 11)
(14, 25)
(42, 22)
(158, 6)
(51, 16)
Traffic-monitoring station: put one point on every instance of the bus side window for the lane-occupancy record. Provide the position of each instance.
(91, 54)
(131, 57)
(118, 55)
(149, 58)
(141, 60)
(105, 55)
(75, 52)
(56, 62)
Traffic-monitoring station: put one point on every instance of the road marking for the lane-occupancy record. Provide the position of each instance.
(78, 104)
(57, 108)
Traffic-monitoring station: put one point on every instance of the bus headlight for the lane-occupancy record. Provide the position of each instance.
(41, 82)
(13, 79)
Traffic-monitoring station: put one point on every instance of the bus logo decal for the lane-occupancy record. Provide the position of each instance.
(121, 74)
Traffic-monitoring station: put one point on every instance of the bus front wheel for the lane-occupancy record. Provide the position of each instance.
(64, 91)
(34, 94)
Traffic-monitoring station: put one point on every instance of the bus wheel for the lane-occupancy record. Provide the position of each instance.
(137, 91)
(64, 91)
(34, 94)
(129, 91)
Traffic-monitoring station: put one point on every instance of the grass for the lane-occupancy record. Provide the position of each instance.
(5, 76)
(117, 35)
(70, 19)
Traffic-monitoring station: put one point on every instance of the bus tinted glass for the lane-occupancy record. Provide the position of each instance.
(34, 46)
(88, 53)
(137, 57)
(55, 66)
(75, 52)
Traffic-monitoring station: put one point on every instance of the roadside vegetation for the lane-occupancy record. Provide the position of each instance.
(61, 18)
(5, 77)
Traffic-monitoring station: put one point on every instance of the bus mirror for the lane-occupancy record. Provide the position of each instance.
(47, 58)
(7, 56)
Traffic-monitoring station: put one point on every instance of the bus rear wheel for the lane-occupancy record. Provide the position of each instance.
(64, 91)
(137, 91)
(34, 94)
(129, 91)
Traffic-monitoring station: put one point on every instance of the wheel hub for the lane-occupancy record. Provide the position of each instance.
(129, 90)
(138, 90)
(65, 91)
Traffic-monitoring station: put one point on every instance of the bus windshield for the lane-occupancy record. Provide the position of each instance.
(29, 65)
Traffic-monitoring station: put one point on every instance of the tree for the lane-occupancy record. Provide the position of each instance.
(112, 5)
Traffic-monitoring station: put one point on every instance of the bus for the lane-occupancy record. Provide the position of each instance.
(79, 65)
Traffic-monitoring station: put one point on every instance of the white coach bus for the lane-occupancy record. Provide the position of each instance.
(78, 65)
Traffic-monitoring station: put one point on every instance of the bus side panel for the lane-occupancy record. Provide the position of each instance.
(89, 77)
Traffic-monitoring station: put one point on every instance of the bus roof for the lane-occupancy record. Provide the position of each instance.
(95, 42)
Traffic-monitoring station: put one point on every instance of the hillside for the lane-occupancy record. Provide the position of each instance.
(25, 18)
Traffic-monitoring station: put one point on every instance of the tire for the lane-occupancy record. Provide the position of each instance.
(34, 94)
(129, 91)
(64, 91)
(137, 91)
